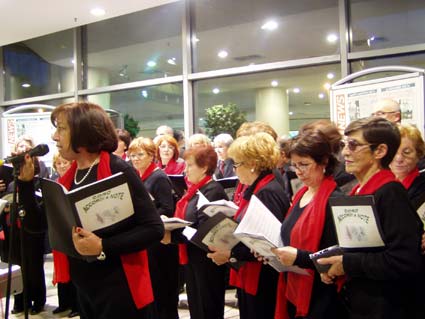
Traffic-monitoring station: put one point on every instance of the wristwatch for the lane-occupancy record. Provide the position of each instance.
(101, 256)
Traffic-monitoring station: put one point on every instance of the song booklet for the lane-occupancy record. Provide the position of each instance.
(94, 207)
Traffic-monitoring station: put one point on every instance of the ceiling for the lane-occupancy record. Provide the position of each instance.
(26, 19)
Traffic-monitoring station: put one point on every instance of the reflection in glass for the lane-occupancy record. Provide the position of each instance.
(382, 24)
(270, 96)
(147, 107)
(39, 66)
(255, 32)
(137, 46)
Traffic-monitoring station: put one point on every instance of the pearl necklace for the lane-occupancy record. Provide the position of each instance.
(87, 174)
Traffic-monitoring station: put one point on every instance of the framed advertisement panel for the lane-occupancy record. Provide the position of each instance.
(356, 100)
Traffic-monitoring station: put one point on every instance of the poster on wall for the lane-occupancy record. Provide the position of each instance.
(356, 100)
(35, 125)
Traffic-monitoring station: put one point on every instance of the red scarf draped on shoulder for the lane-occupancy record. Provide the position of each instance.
(374, 183)
(248, 275)
(305, 235)
(408, 180)
(149, 170)
(173, 167)
(180, 212)
(135, 265)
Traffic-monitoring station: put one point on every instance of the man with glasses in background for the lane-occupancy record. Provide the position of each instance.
(388, 109)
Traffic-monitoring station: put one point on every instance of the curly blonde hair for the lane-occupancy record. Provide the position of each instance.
(259, 149)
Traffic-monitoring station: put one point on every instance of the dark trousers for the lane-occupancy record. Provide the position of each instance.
(67, 296)
(262, 305)
(205, 286)
(164, 271)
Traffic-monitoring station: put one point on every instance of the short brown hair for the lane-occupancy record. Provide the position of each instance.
(375, 131)
(144, 143)
(124, 136)
(90, 126)
(316, 145)
(204, 156)
(329, 129)
(250, 128)
(412, 132)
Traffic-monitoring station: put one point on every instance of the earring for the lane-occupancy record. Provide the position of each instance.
(252, 170)
(324, 170)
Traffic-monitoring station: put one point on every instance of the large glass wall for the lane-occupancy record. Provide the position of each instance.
(245, 32)
(285, 99)
(150, 107)
(281, 56)
(138, 46)
(39, 66)
(379, 24)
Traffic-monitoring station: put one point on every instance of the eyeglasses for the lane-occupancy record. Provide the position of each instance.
(352, 145)
(164, 147)
(302, 167)
(236, 165)
(136, 156)
(382, 113)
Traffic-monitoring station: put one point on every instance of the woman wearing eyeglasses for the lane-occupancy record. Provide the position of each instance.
(254, 157)
(168, 156)
(308, 227)
(405, 168)
(377, 282)
(163, 259)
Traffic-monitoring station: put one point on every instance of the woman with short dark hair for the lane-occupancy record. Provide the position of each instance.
(117, 284)
(377, 282)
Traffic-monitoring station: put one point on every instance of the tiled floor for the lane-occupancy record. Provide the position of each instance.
(230, 310)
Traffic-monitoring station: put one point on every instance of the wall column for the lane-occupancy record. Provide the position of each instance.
(272, 106)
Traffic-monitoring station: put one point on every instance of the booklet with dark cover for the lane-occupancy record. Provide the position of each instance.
(179, 184)
(6, 174)
(356, 222)
(217, 231)
(94, 207)
(327, 252)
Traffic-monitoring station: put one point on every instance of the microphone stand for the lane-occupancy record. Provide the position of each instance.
(13, 219)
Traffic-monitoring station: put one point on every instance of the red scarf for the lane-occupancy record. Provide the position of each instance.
(248, 275)
(305, 235)
(238, 194)
(408, 180)
(180, 212)
(135, 265)
(148, 171)
(173, 167)
(374, 183)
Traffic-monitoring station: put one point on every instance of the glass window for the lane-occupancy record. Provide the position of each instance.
(138, 46)
(413, 60)
(285, 99)
(382, 24)
(144, 109)
(39, 66)
(244, 32)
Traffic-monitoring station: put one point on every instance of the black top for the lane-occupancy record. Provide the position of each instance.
(378, 280)
(226, 171)
(416, 191)
(273, 197)
(159, 186)
(137, 232)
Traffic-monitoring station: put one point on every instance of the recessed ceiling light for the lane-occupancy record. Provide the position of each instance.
(296, 90)
(291, 113)
(151, 63)
(330, 75)
(274, 83)
(26, 85)
(97, 12)
(171, 61)
(269, 25)
(72, 61)
(40, 110)
(332, 38)
(144, 93)
(327, 86)
(216, 90)
(321, 96)
(195, 39)
(222, 54)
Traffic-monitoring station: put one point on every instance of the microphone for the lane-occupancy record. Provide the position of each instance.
(39, 150)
